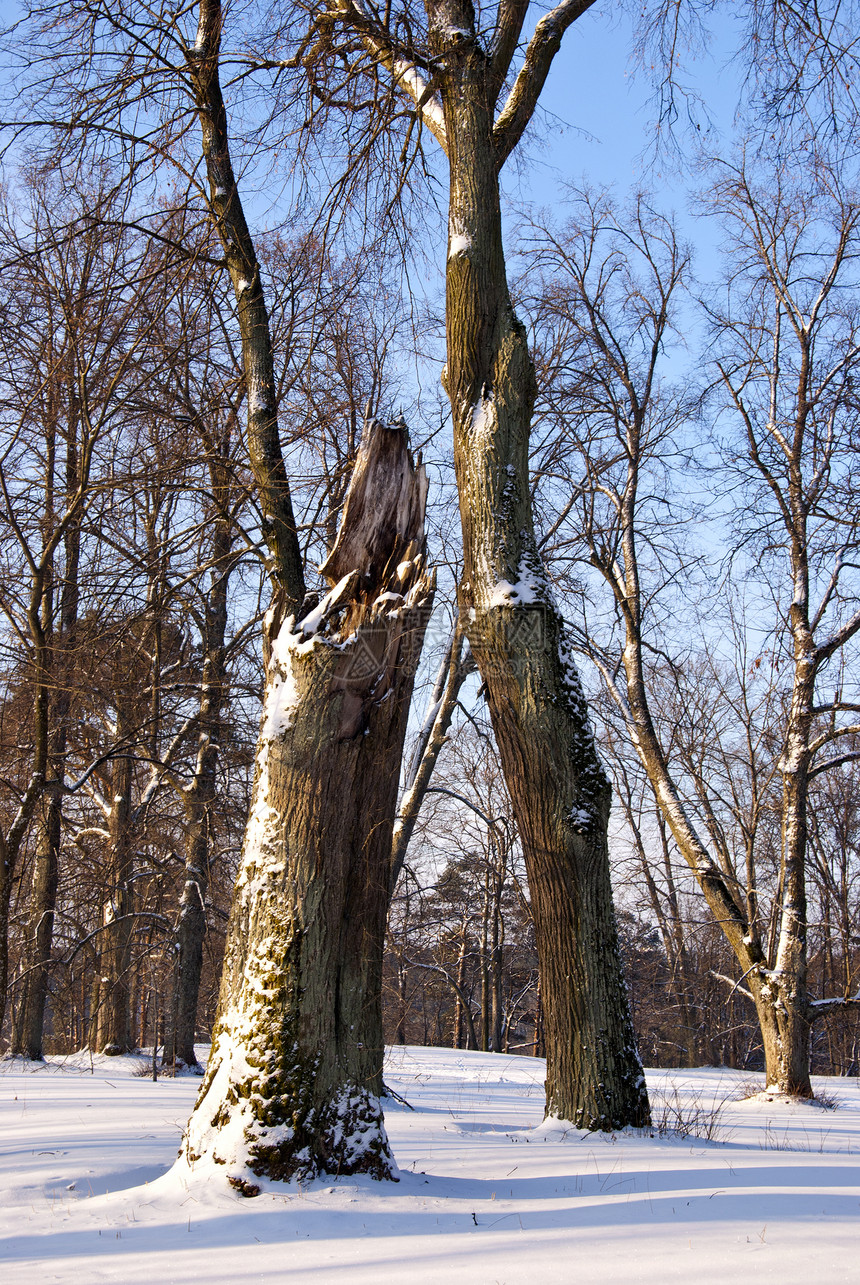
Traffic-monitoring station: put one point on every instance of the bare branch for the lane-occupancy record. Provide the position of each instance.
(542, 49)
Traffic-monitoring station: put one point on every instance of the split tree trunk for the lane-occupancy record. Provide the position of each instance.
(294, 1079)
(557, 784)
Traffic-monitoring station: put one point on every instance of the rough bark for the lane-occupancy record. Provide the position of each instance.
(293, 1083)
(558, 787)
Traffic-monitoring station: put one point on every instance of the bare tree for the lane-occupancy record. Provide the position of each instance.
(307, 922)
(787, 338)
(69, 392)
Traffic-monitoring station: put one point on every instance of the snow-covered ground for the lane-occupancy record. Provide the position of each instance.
(486, 1194)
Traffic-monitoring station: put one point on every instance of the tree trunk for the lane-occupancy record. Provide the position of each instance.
(459, 1013)
(30, 1019)
(293, 1083)
(199, 798)
(37, 959)
(785, 1036)
(782, 999)
(558, 787)
(112, 1032)
(187, 942)
(496, 958)
(453, 672)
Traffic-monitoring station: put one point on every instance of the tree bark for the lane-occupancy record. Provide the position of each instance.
(558, 787)
(293, 1082)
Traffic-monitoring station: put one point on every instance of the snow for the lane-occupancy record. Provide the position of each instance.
(521, 593)
(281, 703)
(484, 415)
(414, 83)
(458, 240)
(488, 1192)
(580, 816)
(282, 696)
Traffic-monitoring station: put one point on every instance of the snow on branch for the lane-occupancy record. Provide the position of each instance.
(379, 43)
(736, 986)
(542, 48)
(851, 756)
(821, 1007)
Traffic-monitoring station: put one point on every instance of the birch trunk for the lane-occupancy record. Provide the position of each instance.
(294, 1079)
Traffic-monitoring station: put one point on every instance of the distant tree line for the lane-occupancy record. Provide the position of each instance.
(132, 581)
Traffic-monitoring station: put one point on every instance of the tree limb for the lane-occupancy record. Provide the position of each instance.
(542, 48)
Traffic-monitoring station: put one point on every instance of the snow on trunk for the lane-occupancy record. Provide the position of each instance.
(558, 787)
(295, 1075)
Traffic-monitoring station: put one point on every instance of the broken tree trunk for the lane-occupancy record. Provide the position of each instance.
(293, 1083)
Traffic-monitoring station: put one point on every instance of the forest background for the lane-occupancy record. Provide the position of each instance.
(132, 559)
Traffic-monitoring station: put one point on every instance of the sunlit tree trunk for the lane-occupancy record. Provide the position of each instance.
(200, 796)
(111, 1030)
(294, 1078)
(558, 787)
